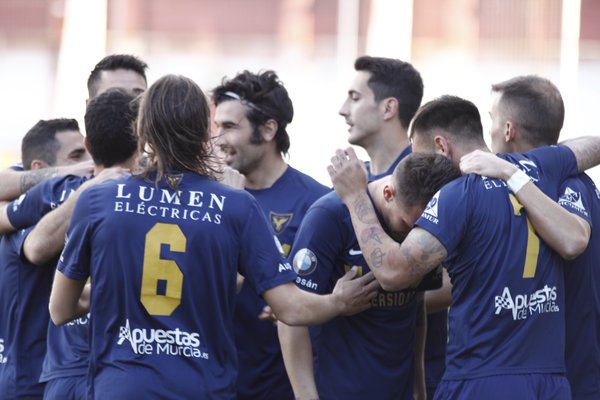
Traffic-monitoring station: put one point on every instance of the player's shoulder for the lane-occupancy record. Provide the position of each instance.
(305, 181)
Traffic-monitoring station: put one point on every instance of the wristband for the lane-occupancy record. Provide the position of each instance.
(517, 181)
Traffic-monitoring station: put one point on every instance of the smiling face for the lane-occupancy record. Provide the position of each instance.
(235, 137)
(361, 111)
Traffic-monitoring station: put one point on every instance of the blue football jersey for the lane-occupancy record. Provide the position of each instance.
(582, 284)
(435, 350)
(32, 205)
(25, 290)
(68, 350)
(262, 372)
(507, 314)
(163, 268)
(24, 295)
(368, 355)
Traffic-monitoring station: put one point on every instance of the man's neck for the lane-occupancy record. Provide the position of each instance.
(129, 164)
(269, 171)
(386, 150)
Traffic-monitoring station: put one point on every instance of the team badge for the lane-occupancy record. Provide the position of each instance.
(280, 221)
(305, 262)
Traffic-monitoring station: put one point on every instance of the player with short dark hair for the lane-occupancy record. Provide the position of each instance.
(125, 71)
(349, 363)
(382, 99)
(109, 122)
(24, 288)
(514, 130)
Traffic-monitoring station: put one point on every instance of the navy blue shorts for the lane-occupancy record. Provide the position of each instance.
(68, 388)
(503, 387)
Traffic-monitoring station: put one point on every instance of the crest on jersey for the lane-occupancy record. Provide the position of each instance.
(173, 180)
(280, 221)
(305, 262)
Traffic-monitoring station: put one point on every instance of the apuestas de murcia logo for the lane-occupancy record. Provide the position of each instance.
(3, 358)
(172, 342)
(523, 305)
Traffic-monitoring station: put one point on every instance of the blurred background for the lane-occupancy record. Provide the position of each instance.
(461, 47)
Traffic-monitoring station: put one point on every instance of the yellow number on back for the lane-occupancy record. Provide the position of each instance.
(533, 242)
(167, 272)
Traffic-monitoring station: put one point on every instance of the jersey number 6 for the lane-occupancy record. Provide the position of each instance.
(162, 279)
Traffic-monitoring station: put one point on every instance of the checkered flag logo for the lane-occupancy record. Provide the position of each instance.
(125, 334)
(504, 301)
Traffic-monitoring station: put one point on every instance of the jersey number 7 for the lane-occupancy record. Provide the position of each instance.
(533, 242)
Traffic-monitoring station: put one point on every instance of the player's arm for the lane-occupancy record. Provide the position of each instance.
(565, 232)
(15, 183)
(294, 306)
(296, 349)
(67, 300)
(396, 266)
(420, 388)
(439, 299)
(5, 225)
(46, 240)
(586, 150)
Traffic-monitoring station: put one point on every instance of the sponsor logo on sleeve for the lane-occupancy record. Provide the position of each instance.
(572, 199)
(304, 262)
(431, 211)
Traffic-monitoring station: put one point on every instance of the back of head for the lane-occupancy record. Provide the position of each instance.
(173, 127)
(40, 143)
(111, 63)
(265, 97)
(109, 123)
(420, 175)
(394, 78)
(452, 115)
(534, 105)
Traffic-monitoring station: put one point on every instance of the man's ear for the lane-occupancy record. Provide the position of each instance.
(38, 164)
(389, 193)
(442, 145)
(510, 131)
(390, 108)
(268, 130)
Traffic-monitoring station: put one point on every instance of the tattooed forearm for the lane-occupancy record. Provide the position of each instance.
(371, 234)
(376, 258)
(363, 208)
(31, 178)
(586, 150)
(423, 252)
